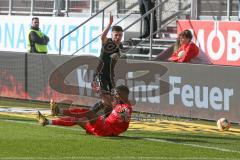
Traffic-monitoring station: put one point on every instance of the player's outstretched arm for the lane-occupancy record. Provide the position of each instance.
(105, 32)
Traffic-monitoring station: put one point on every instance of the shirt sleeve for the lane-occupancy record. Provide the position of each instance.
(33, 37)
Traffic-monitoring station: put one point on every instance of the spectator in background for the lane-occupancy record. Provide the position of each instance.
(145, 6)
(201, 58)
(187, 50)
(37, 40)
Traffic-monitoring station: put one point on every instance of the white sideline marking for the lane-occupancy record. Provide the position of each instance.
(26, 110)
(148, 139)
(33, 123)
(193, 145)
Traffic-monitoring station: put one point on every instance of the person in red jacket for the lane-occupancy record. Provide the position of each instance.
(187, 50)
(116, 123)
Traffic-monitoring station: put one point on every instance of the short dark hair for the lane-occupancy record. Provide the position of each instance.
(34, 18)
(186, 33)
(123, 89)
(117, 28)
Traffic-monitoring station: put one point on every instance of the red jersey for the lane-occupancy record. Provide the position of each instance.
(116, 123)
(185, 53)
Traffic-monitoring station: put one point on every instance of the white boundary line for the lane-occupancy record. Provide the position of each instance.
(33, 123)
(193, 145)
(148, 139)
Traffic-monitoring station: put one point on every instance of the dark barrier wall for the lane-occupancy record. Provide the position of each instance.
(189, 90)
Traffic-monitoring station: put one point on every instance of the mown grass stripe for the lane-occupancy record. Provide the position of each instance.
(148, 139)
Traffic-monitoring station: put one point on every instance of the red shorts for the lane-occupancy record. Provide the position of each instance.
(100, 128)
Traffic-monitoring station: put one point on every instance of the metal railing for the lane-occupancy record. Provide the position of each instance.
(101, 34)
(101, 11)
(151, 12)
(215, 9)
(150, 56)
(164, 23)
(61, 7)
(140, 19)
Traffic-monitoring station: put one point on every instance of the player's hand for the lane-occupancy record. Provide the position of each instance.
(153, 1)
(110, 18)
(173, 59)
(95, 86)
(115, 56)
(124, 113)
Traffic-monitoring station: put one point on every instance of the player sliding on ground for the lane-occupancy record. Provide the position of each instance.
(116, 123)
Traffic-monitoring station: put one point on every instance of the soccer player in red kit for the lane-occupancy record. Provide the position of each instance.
(116, 123)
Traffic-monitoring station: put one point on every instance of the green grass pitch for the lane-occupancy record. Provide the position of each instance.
(23, 138)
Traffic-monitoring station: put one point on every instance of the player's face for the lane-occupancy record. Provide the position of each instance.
(116, 98)
(35, 23)
(184, 40)
(119, 95)
(117, 36)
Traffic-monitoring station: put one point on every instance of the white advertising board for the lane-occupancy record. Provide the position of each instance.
(14, 29)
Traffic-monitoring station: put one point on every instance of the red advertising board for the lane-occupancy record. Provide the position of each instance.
(219, 40)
